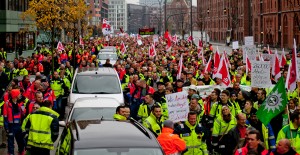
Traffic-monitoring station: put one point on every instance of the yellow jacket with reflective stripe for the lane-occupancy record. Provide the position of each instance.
(1, 115)
(64, 148)
(43, 128)
(153, 124)
(119, 117)
(190, 134)
(221, 127)
(291, 133)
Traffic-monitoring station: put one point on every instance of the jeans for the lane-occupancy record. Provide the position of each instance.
(15, 131)
(134, 107)
(57, 104)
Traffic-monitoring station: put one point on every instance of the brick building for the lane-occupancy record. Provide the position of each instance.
(222, 19)
(276, 22)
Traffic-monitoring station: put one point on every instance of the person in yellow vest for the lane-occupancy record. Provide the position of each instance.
(21, 71)
(58, 86)
(3, 140)
(261, 96)
(196, 107)
(155, 120)
(43, 129)
(120, 113)
(222, 125)
(145, 108)
(193, 134)
(291, 131)
(3, 54)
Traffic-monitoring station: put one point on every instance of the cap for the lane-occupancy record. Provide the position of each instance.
(193, 87)
(160, 83)
(168, 124)
(195, 96)
(15, 93)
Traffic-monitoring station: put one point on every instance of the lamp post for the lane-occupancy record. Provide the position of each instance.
(192, 21)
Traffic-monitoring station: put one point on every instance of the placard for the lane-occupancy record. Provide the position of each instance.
(298, 65)
(251, 52)
(249, 40)
(155, 38)
(235, 45)
(178, 106)
(260, 74)
(139, 42)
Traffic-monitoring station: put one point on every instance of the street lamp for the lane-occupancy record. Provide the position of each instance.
(207, 11)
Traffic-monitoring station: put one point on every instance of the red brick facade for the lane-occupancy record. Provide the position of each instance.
(271, 22)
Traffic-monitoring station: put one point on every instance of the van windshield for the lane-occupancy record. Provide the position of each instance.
(104, 56)
(96, 84)
(120, 151)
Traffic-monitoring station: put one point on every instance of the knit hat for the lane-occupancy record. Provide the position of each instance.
(195, 96)
(15, 93)
(168, 124)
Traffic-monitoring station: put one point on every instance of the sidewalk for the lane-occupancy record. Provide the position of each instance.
(12, 56)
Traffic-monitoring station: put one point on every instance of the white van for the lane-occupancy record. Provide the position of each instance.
(96, 82)
(102, 56)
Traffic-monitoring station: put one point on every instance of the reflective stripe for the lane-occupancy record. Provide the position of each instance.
(214, 144)
(273, 147)
(40, 144)
(15, 121)
(37, 131)
(271, 137)
(240, 151)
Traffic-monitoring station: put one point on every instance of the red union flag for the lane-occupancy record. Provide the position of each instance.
(276, 68)
(175, 39)
(291, 80)
(248, 64)
(190, 39)
(106, 29)
(152, 51)
(283, 59)
(216, 63)
(60, 46)
(223, 72)
(123, 48)
(81, 41)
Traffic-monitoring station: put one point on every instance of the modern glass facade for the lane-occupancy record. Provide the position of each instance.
(12, 34)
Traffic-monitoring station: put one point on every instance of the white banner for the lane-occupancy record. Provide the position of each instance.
(139, 42)
(298, 64)
(178, 106)
(249, 40)
(235, 45)
(269, 57)
(251, 52)
(260, 74)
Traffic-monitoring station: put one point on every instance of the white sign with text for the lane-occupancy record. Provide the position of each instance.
(249, 40)
(260, 74)
(235, 45)
(251, 52)
(178, 106)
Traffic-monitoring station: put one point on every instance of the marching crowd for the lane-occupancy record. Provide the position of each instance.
(222, 122)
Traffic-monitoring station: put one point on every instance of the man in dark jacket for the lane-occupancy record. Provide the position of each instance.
(4, 81)
(237, 134)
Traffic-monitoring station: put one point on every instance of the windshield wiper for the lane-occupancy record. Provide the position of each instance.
(101, 93)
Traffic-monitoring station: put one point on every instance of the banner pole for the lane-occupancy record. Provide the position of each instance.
(288, 112)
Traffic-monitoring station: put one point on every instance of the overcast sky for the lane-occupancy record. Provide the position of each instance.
(137, 2)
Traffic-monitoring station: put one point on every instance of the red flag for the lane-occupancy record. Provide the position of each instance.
(270, 52)
(216, 63)
(276, 68)
(81, 42)
(208, 65)
(106, 29)
(283, 59)
(200, 43)
(168, 48)
(123, 48)
(175, 39)
(152, 51)
(248, 65)
(226, 59)
(60, 46)
(166, 35)
(121, 30)
(223, 72)
(190, 39)
(291, 80)
(180, 67)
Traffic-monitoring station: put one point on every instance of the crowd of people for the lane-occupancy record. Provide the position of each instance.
(222, 122)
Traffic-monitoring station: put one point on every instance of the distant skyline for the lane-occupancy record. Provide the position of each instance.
(137, 2)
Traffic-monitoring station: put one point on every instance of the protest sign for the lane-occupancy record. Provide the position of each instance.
(260, 74)
(139, 42)
(235, 45)
(249, 40)
(298, 64)
(178, 106)
(155, 38)
(251, 52)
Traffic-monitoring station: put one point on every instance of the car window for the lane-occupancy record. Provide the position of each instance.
(104, 56)
(120, 151)
(96, 84)
(92, 113)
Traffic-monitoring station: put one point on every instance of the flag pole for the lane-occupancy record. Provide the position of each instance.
(288, 112)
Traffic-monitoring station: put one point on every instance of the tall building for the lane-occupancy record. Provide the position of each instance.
(12, 34)
(276, 23)
(138, 17)
(97, 11)
(222, 19)
(117, 14)
(151, 3)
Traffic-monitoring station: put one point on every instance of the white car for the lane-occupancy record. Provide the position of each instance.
(92, 108)
(102, 56)
(96, 82)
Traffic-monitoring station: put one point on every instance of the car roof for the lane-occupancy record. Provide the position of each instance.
(96, 70)
(110, 47)
(111, 133)
(107, 50)
(96, 102)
